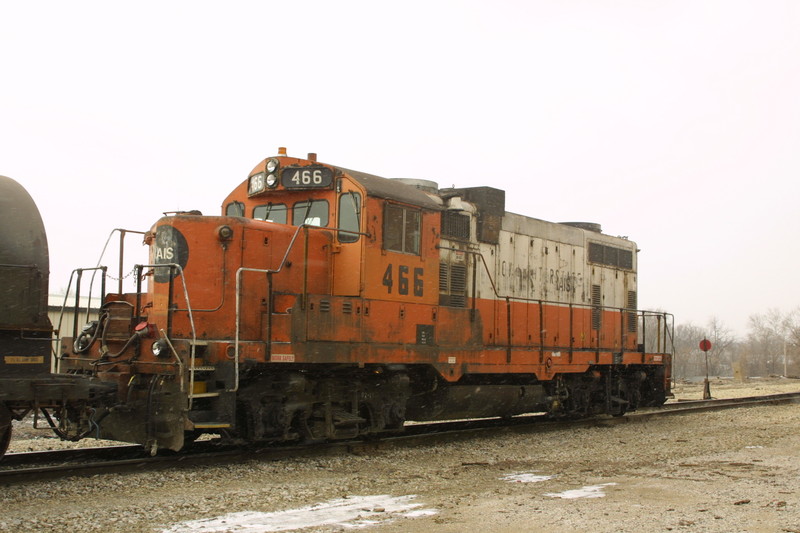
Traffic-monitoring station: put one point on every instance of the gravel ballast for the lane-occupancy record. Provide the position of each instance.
(733, 470)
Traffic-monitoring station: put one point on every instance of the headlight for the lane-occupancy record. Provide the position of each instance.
(272, 165)
(272, 180)
(160, 348)
(224, 233)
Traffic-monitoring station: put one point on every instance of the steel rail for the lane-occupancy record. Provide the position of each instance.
(123, 458)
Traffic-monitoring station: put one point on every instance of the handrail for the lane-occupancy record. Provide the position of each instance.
(269, 272)
(192, 351)
(668, 331)
(91, 284)
(79, 272)
(239, 272)
(122, 233)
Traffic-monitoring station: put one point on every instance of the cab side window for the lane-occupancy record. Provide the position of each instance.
(349, 215)
(234, 209)
(401, 229)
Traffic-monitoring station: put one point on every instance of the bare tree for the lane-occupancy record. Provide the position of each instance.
(723, 341)
(773, 340)
(791, 343)
(793, 327)
(688, 361)
(772, 347)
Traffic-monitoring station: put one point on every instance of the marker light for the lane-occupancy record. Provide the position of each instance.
(160, 348)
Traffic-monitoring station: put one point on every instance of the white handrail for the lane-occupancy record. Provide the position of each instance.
(191, 321)
(239, 303)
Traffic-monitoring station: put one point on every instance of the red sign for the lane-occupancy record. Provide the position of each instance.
(705, 345)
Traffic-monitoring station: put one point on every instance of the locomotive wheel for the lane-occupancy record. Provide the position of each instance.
(5, 430)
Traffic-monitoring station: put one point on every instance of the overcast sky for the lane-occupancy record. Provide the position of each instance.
(675, 123)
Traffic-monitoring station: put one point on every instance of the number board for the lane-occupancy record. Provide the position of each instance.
(257, 184)
(306, 177)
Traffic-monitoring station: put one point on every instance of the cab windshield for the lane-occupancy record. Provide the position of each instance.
(311, 212)
(271, 213)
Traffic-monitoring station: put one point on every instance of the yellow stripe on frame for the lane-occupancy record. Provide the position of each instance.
(23, 359)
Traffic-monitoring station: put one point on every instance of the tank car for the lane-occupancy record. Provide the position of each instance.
(26, 334)
(327, 303)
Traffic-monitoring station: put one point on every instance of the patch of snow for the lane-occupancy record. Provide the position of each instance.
(419, 512)
(591, 491)
(353, 512)
(525, 477)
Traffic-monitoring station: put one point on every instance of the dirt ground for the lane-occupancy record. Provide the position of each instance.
(733, 470)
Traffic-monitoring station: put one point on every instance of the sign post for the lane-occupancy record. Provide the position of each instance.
(705, 345)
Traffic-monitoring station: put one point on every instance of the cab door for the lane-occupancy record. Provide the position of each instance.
(347, 253)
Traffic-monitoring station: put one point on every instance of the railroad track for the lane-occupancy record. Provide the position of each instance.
(723, 403)
(29, 466)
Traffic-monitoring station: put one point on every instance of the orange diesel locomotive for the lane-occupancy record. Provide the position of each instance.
(327, 303)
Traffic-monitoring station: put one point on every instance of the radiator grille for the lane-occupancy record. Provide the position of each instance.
(632, 303)
(453, 285)
(455, 225)
(597, 312)
(458, 285)
(612, 256)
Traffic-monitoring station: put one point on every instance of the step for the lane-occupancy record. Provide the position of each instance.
(211, 425)
(342, 418)
(205, 395)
